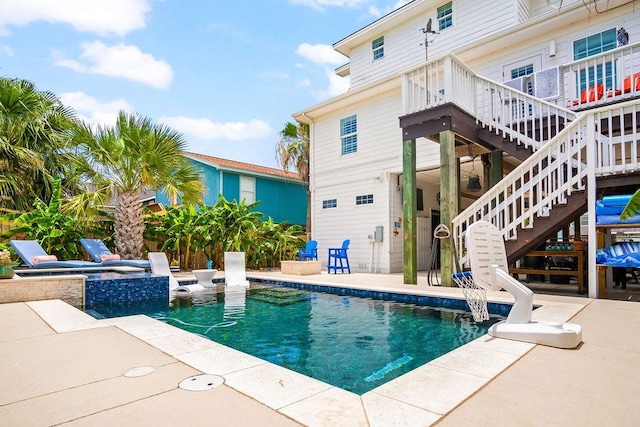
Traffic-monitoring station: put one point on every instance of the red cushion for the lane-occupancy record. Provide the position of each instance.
(592, 94)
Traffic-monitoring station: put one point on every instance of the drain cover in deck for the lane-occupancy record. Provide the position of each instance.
(201, 382)
(139, 371)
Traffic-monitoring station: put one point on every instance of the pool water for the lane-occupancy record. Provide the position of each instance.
(350, 342)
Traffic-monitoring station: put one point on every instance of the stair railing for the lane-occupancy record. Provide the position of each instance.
(558, 169)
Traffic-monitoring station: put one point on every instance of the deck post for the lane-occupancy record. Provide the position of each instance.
(409, 227)
(449, 200)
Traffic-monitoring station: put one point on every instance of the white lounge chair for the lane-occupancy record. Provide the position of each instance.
(234, 269)
(160, 266)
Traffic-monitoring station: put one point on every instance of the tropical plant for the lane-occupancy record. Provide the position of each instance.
(125, 160)
(57, 232)
(35, 145)
(277, 242)
(632, 208)
(293, 151)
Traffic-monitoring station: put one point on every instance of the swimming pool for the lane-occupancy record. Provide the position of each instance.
(353, 342)
(112, 285)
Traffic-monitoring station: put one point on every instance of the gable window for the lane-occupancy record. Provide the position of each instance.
(349, 135)
(603, 73)
(248, 189)
(364, 200)
(445, 16)
(331, 203)
(377, 46)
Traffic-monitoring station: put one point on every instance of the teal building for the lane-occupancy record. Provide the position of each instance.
(283, 195)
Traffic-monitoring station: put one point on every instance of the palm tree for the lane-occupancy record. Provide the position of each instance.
(35, 138)
(293, 151)
(135, 155)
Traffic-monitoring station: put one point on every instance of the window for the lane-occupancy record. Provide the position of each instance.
(331, 203)
(248, 189)
(603, 74)
(419, 199)
(522, 71)
(364, 200)
(377, 46)
(445, 16)
(348, 134)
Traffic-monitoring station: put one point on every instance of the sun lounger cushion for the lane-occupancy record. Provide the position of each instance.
(30, 249)
(99, 252)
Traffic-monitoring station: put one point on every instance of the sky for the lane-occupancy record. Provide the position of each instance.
(226, 74)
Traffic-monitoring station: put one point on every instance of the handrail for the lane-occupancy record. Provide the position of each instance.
(555, 171)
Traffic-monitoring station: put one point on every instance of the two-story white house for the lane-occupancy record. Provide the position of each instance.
(447, 98)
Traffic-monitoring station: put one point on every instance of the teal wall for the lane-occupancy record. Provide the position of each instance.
(280, 200)
(230, 186)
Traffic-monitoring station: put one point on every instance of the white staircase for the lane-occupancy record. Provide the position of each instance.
(584, 148)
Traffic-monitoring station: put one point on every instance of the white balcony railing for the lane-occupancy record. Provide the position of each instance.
(608, 77)
(501, 109)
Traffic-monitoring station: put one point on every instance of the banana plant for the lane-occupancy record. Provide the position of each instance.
(632, 208)
(57, 232)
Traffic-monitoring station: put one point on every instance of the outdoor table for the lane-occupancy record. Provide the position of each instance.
(205, 277)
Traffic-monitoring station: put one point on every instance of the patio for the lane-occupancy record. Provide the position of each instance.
(63, 367)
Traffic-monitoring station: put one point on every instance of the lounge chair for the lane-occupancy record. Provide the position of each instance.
(99, 252)
(309, 252)
(160, 266)
(234, 269)
(34, 256)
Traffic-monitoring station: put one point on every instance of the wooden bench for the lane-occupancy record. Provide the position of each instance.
(579, 273)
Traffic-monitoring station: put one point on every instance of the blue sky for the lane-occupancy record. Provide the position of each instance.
(226, 74)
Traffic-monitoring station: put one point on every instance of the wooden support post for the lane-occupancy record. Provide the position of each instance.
(409, 226)
(449, 200)
(495, 157)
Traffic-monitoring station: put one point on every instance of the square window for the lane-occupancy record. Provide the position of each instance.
(331, 203)
(603, 73)
(364, 200)
(377, 46)
(348, 134)
(445, 16)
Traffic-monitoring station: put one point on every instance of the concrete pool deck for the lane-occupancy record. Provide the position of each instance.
(60, 366)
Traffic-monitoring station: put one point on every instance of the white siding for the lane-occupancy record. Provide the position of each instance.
(335, 176)
(404, 45)
(524, 10)
(374, 168)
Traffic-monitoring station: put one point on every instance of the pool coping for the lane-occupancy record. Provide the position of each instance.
(415, 397)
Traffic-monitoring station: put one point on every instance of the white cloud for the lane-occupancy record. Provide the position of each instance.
(104, 17)
(121, 60)
(208, 130)
(337, 85)
(321, 4)
(92, 111)
(320, 54)
(5, 50)
(377, 12)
